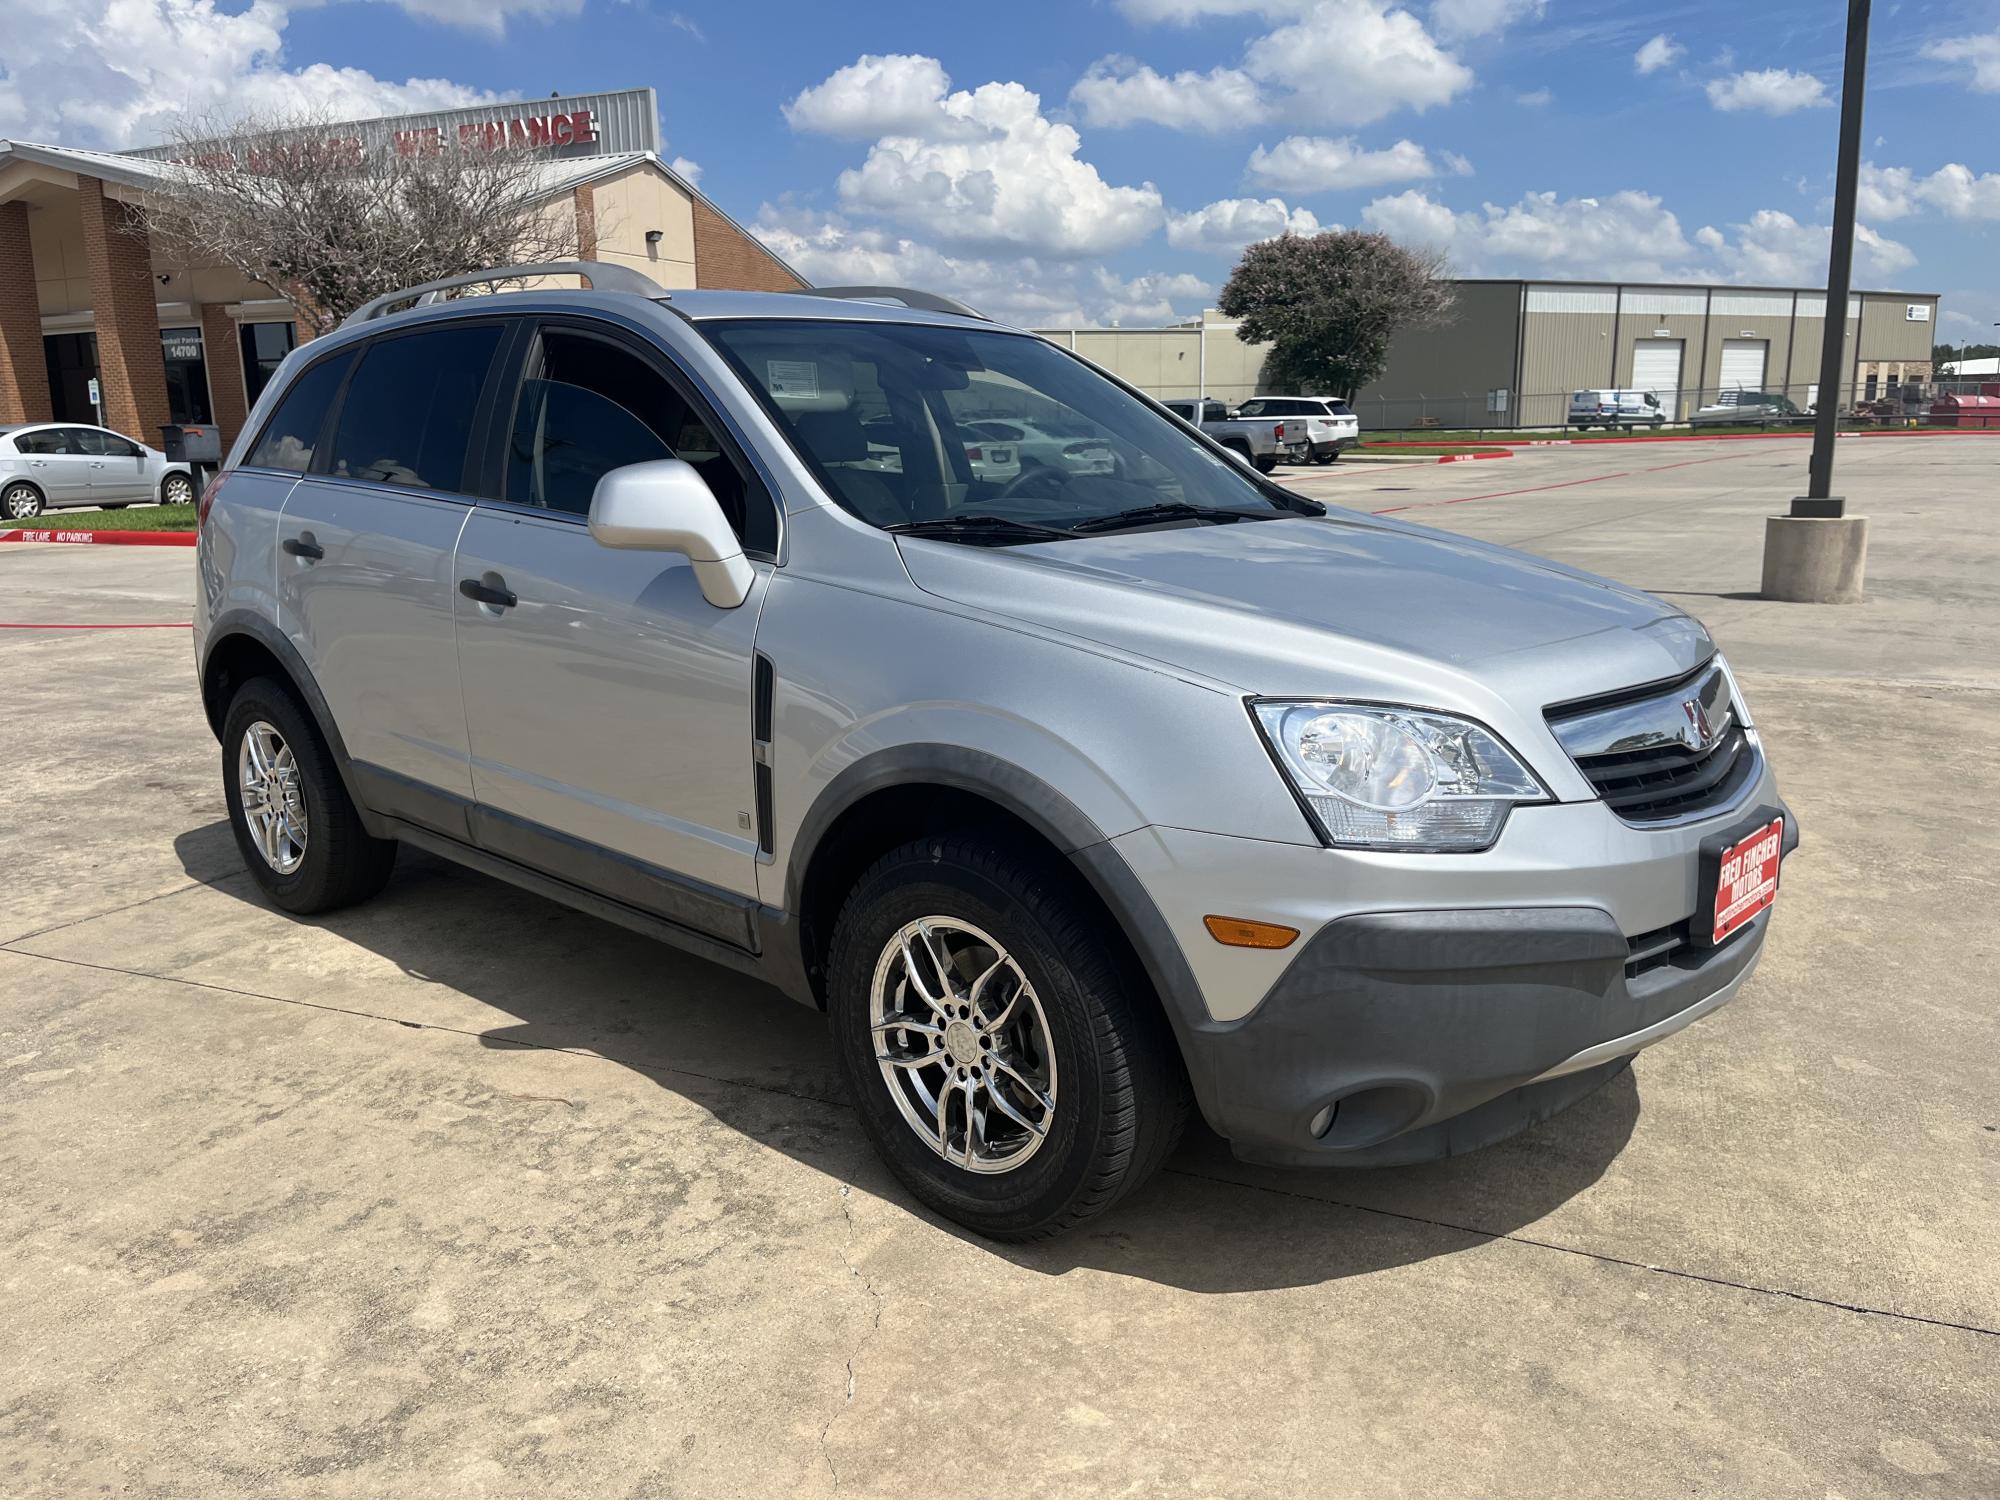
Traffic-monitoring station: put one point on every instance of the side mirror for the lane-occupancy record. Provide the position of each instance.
(666, 506)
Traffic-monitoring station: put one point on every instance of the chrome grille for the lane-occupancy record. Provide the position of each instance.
(1660, 752)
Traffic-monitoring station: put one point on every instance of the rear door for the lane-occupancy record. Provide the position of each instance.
(608, 703)
(117, 467)
(365, 581)
(51, 457)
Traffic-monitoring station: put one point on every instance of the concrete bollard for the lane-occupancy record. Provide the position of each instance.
(1815, 559)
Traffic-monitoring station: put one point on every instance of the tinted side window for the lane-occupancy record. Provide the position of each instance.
(293, 431)
(48, 440)
(407, 415)
(105, 444)
(588, 406)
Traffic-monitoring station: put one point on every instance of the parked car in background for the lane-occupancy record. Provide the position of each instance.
(1750, 406)
(1621, 409)
(1331, 425)
(1258, 441)
(1075, 801)
(1053, 443)
(63, 466)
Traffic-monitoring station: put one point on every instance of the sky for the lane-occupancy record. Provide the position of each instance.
(1062, 162)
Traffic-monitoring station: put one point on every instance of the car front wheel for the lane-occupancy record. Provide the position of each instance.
(177, 489)
(1003, 1055)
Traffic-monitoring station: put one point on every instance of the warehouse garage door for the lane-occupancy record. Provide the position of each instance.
(1743, 362)
(1656, 367)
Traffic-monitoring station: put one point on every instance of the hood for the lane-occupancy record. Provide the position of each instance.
(1343, 603)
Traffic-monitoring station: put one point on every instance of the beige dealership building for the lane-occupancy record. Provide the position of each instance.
(83, 297)
(1514, 350)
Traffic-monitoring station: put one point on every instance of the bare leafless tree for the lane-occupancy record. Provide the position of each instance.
(311, 210)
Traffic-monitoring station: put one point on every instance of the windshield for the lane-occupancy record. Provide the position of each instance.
(968, 431)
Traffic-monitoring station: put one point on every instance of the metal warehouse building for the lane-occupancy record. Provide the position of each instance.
(1514, 351)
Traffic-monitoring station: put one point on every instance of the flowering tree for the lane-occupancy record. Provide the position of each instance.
(1330, 303)
(319, 217)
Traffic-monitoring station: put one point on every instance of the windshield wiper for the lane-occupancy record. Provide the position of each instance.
(1170, 510)
(996, 529)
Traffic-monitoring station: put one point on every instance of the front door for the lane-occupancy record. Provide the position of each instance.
(607, 702)
(117, 467)
(365, 560)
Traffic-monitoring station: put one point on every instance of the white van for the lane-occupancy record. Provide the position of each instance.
(1626, 409)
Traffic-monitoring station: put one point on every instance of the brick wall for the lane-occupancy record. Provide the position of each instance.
(131, 373)
(224, 350)
(24, 372)
(724, 256)
(586, 222)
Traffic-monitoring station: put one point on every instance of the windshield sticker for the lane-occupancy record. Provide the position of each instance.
(792, 377)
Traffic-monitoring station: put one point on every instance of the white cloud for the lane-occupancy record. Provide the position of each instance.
(1773, 248)
(1953, 190)
(829, 249)
(978, 171)
(488, 16)
(1770, 91)
(1317, 164)
(1326, 62)
(1227, 225)
(1535, 98)
(1980, 53)
(691, 170)
(119, 73)
(1661, 52)
(1469, 18)
(1122, 91)
(1351, 62)
(873, 96)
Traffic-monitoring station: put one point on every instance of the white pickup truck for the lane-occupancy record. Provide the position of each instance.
(1261, 441)
(1331, 425)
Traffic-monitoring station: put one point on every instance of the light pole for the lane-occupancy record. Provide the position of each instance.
(1818, 553)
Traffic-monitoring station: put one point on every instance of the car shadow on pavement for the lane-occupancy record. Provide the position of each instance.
(761, 1064)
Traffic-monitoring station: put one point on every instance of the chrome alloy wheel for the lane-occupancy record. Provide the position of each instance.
(963, 1045)
(274, 804)
(178, 490)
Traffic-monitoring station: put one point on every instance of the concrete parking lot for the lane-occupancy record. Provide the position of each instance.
(463, 1194)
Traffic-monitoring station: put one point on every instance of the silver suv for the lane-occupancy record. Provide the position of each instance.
(1072, 794)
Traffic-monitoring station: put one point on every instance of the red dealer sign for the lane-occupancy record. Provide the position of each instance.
(525, 132)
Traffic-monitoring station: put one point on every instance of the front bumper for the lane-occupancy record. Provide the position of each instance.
(1437, 1003)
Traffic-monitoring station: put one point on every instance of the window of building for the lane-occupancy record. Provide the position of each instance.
(265, 346)
(72, 364)
(292, 434)
(407, 415)
(588, 406)
(187, 375)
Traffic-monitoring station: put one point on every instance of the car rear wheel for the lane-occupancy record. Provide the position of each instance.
(296, 826)
(1003, 1055)
(177, 489)
(21, 502)
(1264, 465)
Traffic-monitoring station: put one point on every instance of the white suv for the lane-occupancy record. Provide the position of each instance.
(1331, 425)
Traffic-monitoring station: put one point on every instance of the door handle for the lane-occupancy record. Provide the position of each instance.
(300, 547)
(487, 593)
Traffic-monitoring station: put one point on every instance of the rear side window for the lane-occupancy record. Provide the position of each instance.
(48, 440)
(407, 416)
(293, 432)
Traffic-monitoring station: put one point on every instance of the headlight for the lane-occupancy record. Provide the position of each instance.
(1397, 778)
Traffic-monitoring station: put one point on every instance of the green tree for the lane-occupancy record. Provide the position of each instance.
(1331, 303)
(1941, 353)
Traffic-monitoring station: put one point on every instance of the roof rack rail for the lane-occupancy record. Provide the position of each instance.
(908, 296)
(602, 277)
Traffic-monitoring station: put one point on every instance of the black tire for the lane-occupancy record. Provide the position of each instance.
(1264, 465)
(1122, 1098)
(177, 489)
(20, 502)
(342, 864)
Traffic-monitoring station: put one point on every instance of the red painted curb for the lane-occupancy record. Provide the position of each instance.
(1463, 458)
(105, 538)
(1685, 437)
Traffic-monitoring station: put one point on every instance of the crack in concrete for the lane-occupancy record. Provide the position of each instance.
(874, 1327)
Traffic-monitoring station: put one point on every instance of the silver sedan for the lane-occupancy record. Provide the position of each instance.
(57, 466)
